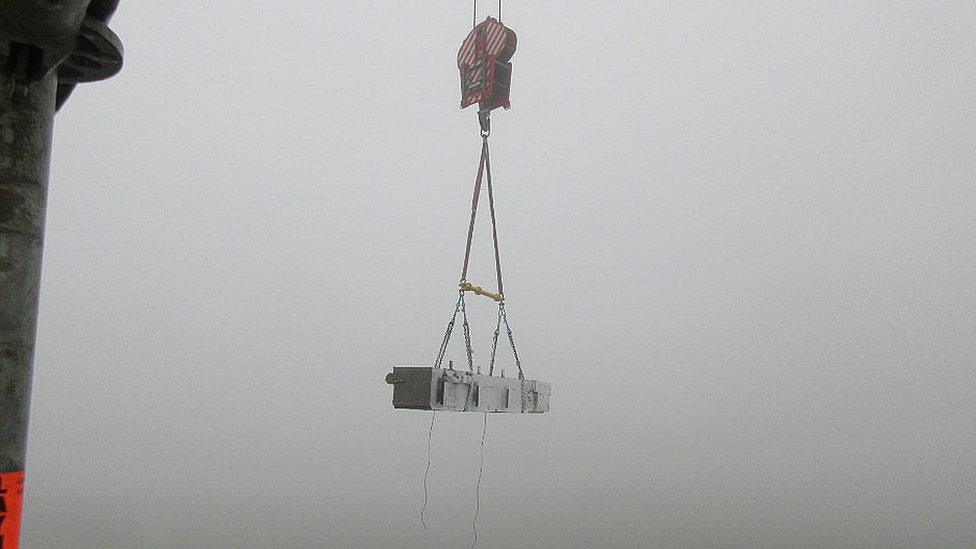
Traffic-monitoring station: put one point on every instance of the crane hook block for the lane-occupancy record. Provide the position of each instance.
(485, 64)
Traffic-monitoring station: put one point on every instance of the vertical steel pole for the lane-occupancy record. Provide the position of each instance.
(46, 47)
(26, 120)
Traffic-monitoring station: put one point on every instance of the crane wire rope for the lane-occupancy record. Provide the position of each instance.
(474, 13)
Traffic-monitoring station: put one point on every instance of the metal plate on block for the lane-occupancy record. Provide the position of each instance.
(426, 388)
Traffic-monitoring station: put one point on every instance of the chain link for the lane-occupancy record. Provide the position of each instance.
(447, 334)
(511, 339)
(494, 341)
(467, 336)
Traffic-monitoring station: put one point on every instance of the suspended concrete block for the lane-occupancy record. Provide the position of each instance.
(426, 388)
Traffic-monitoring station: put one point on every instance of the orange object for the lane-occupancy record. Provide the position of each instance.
(484, 63)
(11, 504)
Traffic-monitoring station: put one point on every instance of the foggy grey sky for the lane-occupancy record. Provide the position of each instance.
(739, 241)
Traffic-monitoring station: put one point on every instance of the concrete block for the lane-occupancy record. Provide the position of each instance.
(426, 388)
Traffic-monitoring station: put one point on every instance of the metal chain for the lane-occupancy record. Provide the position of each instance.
(447, 334)
(511, 339)
(467, 336)
(494, 342)
(460, 306)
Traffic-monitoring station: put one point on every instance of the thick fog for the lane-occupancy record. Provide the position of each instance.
(739, 241)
